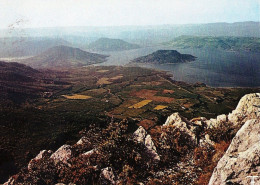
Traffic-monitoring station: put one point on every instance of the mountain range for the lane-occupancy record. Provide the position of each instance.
(225, 43)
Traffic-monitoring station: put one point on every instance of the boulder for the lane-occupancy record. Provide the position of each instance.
(242, 158)
(63, 154)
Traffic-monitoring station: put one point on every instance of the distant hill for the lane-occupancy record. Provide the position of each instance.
(165, 57)
(64, 56)
(18, 82)
(27, 46)
(106, 44)
(12, 71)
(225, 43)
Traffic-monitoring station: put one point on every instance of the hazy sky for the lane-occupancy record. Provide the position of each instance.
(49, 13)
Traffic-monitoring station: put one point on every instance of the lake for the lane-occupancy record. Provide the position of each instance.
(216, 68)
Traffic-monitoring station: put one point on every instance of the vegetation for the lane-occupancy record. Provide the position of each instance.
(64, 56)
(225, 43)
(44, 119)
(165, 57)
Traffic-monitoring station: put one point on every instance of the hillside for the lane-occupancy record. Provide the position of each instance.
(27, 46)
(180, 151)
(71, 102)
(225, 43)
(64, 56)
(165, 57)
(106, 44)
(18, 82)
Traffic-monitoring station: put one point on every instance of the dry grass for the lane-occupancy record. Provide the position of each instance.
(146, 123)
(140, 104)
(105, 81)
(166, 91)
(102, 71)
(117, 77)
(188, 105)
(160, 107)
(77, 97)
(150, 94)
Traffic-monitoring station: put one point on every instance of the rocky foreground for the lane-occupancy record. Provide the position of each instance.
(180, 151)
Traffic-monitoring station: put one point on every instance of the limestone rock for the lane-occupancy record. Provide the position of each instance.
(181, 123)
(11, 181)
(108, 176)
(63, 154)
(151, 147)
(221, 118)
(211, 123)
(242, 159)
(89, 153)
(175, 119)
(42, 154)
(206, 142)
(83, 141)
(141, 136)
(247, 108)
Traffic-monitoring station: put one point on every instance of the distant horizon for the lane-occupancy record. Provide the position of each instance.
(113, 26)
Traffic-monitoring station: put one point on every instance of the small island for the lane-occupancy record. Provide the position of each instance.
(165, 57)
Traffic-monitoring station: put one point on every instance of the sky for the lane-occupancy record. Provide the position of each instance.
(56, 13)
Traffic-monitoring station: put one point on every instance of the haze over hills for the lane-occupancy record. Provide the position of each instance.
(107, 44)
(64, 56)
(165, 57)
(27, 46)
(225, 43)
(144, 35)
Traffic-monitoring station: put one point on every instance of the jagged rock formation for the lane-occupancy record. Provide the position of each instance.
(247, 108)
(141, 136)
(242, 159)
(175, 152)
(181, 123)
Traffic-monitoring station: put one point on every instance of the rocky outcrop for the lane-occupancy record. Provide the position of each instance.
(63, 154)
(141, 136)
(242, 159)
(83, 141)
(42, 154)
(181, 123)
(247, 108)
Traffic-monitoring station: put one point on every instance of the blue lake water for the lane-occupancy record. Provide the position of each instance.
(216, 68)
